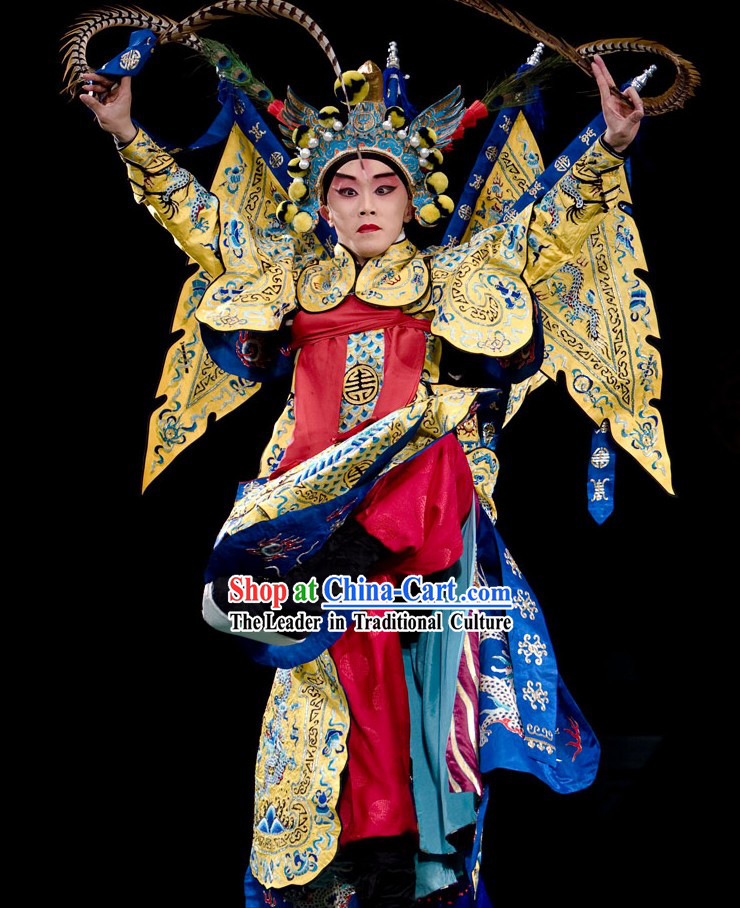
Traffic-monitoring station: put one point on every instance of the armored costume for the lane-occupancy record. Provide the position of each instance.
(405, 369)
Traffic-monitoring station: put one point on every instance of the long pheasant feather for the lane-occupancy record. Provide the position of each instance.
(266, 8)
(686, 81)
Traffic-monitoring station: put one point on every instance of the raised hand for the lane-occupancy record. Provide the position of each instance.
(111, 104)
(622, 120)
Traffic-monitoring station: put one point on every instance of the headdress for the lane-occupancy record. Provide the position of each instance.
(372, 123)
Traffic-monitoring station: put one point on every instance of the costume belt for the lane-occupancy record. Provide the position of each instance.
(321, 338)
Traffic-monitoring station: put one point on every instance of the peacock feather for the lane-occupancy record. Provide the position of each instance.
(233, 70)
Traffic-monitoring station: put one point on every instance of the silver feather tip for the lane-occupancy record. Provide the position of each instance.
(534, 58)
(639, 82)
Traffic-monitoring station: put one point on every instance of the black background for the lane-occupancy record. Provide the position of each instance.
(153, 716)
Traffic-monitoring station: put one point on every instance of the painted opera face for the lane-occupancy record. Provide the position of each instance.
(367, 203)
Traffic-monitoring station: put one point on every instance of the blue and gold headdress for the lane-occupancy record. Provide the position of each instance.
(375, 122)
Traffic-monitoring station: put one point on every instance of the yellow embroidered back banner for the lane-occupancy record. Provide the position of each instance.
(194, 386)
(597, 316)
(597, 313)
(517, 165)
(257, 287)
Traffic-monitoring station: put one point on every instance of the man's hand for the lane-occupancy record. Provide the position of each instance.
(622, 121)
(111, 103)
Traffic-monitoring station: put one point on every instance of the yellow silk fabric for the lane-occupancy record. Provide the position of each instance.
(302, 752)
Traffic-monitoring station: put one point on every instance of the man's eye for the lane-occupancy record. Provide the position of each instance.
(347, 191)
(384, 190)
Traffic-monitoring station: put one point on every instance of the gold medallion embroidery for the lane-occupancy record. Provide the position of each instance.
(361, 384)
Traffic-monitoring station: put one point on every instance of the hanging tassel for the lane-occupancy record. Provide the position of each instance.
(534, 111)
(601, 464)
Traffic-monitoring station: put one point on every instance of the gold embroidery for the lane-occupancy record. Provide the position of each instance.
(361, 384)
(303, 750)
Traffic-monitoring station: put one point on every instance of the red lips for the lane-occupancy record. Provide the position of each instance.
(368, 228)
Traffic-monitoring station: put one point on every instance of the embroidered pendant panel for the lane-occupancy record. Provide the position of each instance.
(302, 752)
(363, 377)
(507, 661)
(282, 435)
(479, 449)
(498, 699)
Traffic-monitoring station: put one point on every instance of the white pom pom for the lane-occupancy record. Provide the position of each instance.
(414, 140)
(423, 152)
(328, 136)
(304, 153)
(402, 133)
(387, 124)
(304, 164)
(312, 143)
(337, 125)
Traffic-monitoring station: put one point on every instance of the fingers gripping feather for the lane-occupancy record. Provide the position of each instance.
(685, 83)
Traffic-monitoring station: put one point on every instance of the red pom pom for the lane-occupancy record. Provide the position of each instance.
(276, 109)
(476, 111)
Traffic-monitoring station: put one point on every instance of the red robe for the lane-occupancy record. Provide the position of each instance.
(416, 511)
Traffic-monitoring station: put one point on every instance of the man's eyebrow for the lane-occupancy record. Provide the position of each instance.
(377, 176)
